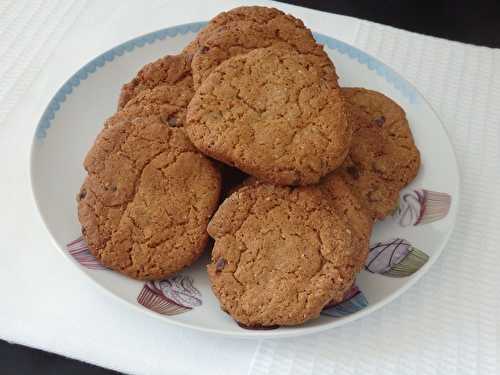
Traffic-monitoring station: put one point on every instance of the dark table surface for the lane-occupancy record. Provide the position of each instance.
(476, 22)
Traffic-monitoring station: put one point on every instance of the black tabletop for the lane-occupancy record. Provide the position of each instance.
(476, 22)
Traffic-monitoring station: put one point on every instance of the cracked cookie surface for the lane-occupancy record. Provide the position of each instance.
(240, 37)
(349, 208)
(170, 70)
(271, 114)
(383, 157)
(276, 21)
(166, 102)
(147, 199)
(280, 254)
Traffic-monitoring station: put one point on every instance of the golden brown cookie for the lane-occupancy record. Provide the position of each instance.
(236, 38)
(280, 255)
(146, 202)
(271, 114)
(256, 14)
(349, 208)
(383, 156)
(170, 69)
(166, 102)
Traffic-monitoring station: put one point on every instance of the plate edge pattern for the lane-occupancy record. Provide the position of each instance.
(380, 68)
(98, 62)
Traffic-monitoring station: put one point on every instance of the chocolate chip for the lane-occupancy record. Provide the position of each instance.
(172, 121)
(82, 194)
(379, 121)
(113, 188)
(220, 264)
(203, 49)
(84, 231)
(353, 171)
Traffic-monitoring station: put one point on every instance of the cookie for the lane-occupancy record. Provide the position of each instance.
(280, 255)
(166, 102)
(271, 114)
(170, 69)
(348, 207)
(244, 36)
(256, 14)
(147, 199)
(383, 156)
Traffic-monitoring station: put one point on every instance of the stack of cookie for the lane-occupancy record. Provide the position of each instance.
(246, 136)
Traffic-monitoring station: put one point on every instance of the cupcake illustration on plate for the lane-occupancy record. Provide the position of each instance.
(353, 301)
(421, 207)
(171, 296)
(79, 250)
(395, 258)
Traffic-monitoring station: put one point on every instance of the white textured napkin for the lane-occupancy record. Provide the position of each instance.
(446, 323)
(29, 32)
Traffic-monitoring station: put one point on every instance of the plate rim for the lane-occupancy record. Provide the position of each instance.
(391, 76)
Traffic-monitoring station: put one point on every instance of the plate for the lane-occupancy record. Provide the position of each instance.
(403, 247)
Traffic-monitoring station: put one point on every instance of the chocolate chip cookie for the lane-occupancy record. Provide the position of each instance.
(271, 114)
(147, 199)
(240, 37)
(383, 156)
(273, 18)
(170, 69)
(280, 255)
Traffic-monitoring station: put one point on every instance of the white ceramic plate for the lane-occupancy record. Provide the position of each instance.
(75, 116)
